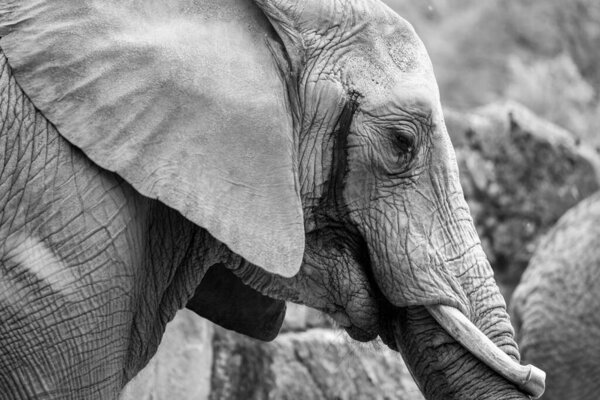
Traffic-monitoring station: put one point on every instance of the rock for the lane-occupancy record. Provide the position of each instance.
(318, 364)
(201, 361)
(519, 174)
(570, 27)
(301, 318)
(181, 367)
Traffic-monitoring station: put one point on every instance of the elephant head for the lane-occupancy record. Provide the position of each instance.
(386, 224)
(308, 137)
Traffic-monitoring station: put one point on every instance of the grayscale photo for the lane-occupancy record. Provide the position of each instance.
(299, 199)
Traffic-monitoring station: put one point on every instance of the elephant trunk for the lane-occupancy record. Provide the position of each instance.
(527, 378)
(441, 366)
(465, 348)
(455, 356)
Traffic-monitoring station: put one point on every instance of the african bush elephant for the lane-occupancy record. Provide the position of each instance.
(295, 146)
(555, 306)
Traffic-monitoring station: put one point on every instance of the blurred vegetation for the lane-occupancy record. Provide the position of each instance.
(544, 54)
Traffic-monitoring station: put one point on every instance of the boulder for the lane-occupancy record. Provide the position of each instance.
(318, 364)
(519, 174)
(301, 318)
(197, 360)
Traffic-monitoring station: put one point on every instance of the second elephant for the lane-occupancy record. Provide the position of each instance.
(556, 306)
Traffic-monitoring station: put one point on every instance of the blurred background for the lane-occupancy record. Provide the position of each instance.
(520, 85)
(543, 54)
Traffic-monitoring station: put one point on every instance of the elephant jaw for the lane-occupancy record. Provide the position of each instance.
(528, 378)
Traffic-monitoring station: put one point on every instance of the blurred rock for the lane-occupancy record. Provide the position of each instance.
(181, 367)
(519, 174)
(301, 318)
(200, 361)
(583, 37)
(547, 29)
(554, 89)
(318, 364)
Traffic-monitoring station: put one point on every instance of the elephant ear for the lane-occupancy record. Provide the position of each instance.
(182, 98)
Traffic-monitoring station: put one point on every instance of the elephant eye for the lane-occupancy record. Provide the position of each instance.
(405, 143)
(405, 147)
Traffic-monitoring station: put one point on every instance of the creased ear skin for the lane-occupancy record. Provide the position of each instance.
(284, 17)
(181, 98)
(291, 18)
(223, 299)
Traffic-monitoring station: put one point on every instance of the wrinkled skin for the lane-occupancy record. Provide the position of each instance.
(555, 306)
(91, 270)
(387, 227)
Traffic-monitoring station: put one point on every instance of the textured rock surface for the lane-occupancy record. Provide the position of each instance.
(199, 361)
(318, 364)
(519, 174)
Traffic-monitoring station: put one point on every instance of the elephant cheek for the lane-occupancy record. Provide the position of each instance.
(409, 271)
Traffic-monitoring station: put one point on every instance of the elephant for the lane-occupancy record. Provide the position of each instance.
(554, 307)
(230, 156)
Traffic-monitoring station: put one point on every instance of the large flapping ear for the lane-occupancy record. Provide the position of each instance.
(223, 299)
(181, 98)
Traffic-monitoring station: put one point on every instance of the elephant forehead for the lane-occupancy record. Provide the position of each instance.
(390, 62)
(404, 46)
(411, 93)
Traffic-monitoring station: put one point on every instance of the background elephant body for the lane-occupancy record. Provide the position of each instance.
(555, 307)
(315, 166)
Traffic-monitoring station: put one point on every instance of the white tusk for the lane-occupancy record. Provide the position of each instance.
(527, 377)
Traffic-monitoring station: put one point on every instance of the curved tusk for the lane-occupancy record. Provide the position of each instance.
(527, 377)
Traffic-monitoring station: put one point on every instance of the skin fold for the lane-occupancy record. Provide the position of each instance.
(91, 270)
(555, 306)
